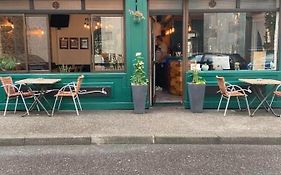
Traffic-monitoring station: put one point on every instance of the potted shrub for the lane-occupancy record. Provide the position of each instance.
(196, 92)
(139, 85)
(7, 63)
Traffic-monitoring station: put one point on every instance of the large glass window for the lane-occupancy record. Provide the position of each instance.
(37, 42)
(108, 43)
(12, 43)
(227, 41)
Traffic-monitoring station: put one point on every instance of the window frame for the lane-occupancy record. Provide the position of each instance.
(123, 44)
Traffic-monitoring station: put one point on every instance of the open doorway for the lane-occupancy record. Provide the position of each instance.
(166, 58)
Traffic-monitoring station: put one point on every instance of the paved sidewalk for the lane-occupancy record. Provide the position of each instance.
(159, 125)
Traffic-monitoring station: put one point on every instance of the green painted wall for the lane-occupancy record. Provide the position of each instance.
(136, 35)
(120, 98)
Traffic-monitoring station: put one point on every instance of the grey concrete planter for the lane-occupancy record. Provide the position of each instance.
(196, 93)
(139, 98)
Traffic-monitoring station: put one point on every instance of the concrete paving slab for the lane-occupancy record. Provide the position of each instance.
(158, 125)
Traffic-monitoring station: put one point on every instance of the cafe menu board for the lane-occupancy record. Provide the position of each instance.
(258, 58)
(221, 62)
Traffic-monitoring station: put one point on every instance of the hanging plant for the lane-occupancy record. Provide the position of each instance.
(137, 16)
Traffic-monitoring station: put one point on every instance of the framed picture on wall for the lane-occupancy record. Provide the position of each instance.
(63, 43)
(84, 43)
(74, 44)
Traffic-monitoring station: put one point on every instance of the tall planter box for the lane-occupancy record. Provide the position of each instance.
(139, 98)
(196, 93)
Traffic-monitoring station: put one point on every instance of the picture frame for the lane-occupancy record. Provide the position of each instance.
(74, 44)
(84, 43)
(63, 42)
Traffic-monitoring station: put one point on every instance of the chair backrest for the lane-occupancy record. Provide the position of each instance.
(79, 82)
(6, 81)
(221, 84)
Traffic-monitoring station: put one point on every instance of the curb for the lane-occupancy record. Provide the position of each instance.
(138, 140)
(45, 141)
(219, 140)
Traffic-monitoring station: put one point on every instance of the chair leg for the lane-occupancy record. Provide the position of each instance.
(17, 100)
(27, 111)
(272, 100)
(59, 103)
(53, 110)
(247, 104)
(238, 102)
(79, 102)
(75, 105)
(38, 109)
(220, 103)
(228, 99)
(6, 106)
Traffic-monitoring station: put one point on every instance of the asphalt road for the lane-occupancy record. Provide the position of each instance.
(141, 159)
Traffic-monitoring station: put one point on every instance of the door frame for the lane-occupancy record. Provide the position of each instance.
(185, 63)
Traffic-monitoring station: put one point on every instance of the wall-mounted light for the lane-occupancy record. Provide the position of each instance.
(170, 30)
(189, 28)
(99, 25)
(7, 26)
(87, 23)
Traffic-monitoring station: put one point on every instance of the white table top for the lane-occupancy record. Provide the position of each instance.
(38, 81)
(260, 81)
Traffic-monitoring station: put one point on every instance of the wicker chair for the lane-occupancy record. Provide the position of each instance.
(227, 91)
(70, 90)
(12, 91)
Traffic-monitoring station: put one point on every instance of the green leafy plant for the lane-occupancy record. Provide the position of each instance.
(64, 68)
(7, 62)
(137, 15)
(139, 77)
(196, 79)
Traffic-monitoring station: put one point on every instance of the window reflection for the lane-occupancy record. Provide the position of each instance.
(108, 51)
(37, 41)
(12, 47)
(234, 40)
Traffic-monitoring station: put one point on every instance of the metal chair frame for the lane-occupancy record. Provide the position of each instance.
(73, 90)
(20, 93)
(276, 90)
(227, 94)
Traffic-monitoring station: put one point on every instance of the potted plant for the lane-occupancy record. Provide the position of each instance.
(196, 92)
(139, 85)
(64, 68)
(7, 63)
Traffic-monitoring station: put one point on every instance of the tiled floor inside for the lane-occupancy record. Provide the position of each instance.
(166, 97)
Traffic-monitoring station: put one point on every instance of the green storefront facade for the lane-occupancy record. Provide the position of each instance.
(137, 38)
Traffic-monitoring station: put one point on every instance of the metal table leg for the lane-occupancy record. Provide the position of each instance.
(37, 101)
(263, 100)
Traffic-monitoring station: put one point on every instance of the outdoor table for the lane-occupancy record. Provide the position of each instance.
(257, 87)
(42, 84)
